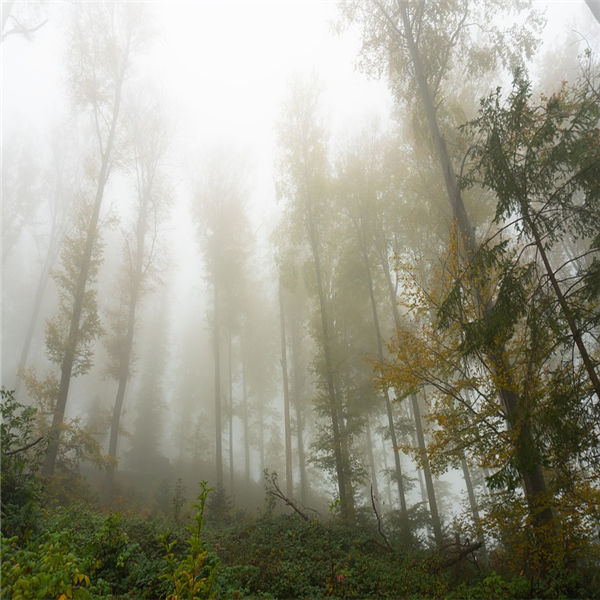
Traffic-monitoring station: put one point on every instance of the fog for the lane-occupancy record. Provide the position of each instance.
(205, 205)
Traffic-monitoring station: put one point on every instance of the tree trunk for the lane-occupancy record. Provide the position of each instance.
(346, 503)
(473, 504)
(453, 191)
(230, 415)
(437, 530)
(297, 389)
(118, 408)
(370, 453)
(286, 399)
(566, 310)
(218, 423)
(386, 395)
(433, 510)
(37, 303)
(245, 419)
(79, 293)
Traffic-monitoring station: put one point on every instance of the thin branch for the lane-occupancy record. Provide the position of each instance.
(22, 449)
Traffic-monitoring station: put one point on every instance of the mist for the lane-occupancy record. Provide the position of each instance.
(240, 245)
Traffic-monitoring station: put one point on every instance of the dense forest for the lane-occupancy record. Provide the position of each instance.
(300, 299)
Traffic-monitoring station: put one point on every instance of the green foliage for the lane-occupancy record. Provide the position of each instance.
(287, 557)
(191, 577)
(21, 456)
(45, 568)
(82, 553)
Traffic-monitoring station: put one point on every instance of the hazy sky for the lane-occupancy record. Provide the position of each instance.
(221, 69)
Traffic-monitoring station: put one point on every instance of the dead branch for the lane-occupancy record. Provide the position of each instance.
(275, 491)
(379, 528)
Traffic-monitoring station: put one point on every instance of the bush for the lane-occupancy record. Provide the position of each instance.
(21, 457)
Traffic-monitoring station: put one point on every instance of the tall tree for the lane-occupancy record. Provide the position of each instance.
(302, 180)
(225, 236)
(358, 184)
(103, 38)
(423, 41)
(289, 483)
(148, 142)
(59, 191)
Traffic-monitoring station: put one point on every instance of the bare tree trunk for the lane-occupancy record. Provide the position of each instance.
(218, 423)
(230, 415)
(297, 389)
(245, 419)
(286, 399)
(437, 530)
(371, 455)
(473, 505)
(388, 489)
(386, 394)
(433, 510)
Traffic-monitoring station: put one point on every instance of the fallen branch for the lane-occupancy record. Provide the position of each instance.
(275, 491)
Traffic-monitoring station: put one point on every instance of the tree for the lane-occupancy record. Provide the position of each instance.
(146, 452)
(286, 397)
(425, 47)
(423, 40)
(542, 162)
(60, 191)
(358, 182)
(302, 180)
(224, 236)
(103, 38)
(149, 145)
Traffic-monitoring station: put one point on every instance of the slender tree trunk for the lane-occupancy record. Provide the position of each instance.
(346, 462)
(566, 310)
(371, 455)
(286, 399)
(473, 504)
(245, 419)
(347, 507)
(452, 188)
(386, 394)
(37, 303)
(415, 443)
(261, 437)
(230, 415)
(433, 510)
(68, 360)
(437, 530)
(126, 351)
(388, 489)
(297, 389)
(125, 361)
(217, 359)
